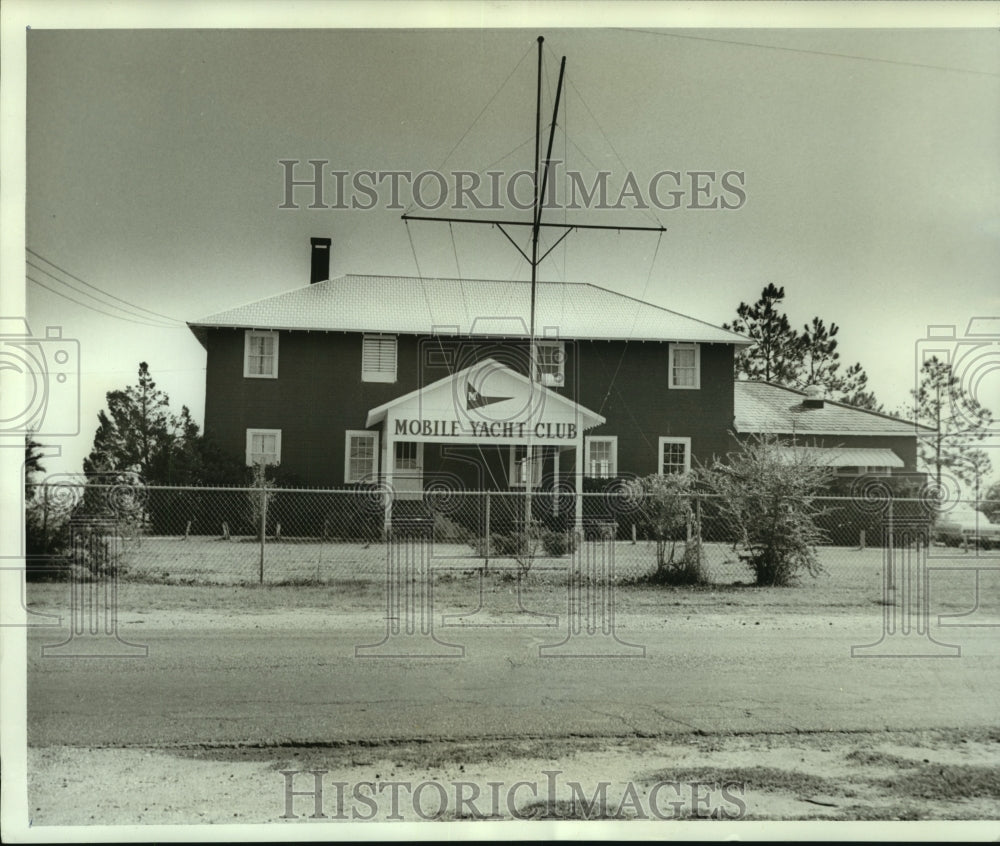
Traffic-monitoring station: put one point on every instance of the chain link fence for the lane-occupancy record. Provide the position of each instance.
(205, 535)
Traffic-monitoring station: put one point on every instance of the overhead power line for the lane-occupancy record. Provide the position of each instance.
(133, 306)
(827, 53)
(99, 310)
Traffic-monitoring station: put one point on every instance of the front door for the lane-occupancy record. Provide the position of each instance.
(408, 475)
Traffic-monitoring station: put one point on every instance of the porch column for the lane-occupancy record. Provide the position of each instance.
(555, 478)
(388, 469)
(578, 481)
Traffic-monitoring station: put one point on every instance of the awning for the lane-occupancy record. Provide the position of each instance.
(841, 456)
(485, 403)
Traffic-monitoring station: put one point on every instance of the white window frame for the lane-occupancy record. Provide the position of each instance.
(671, 440)
(864, 470)
(418, 455)
(588, 443)
(380, 375)
(365, 433)
(697, 367)
(536, 460)
(554, 380)
(249, 446)
(259, 333)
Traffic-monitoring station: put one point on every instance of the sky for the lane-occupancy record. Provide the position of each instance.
(868, 160)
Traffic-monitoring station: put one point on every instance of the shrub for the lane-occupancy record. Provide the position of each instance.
(665, 516)
(765, 496)
(685, 571)
(558, 543)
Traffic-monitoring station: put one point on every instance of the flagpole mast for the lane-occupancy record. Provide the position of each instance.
(529, 462)
(540, 171)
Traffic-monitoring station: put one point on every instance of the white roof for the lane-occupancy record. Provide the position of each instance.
(467, 307)
(766, 407)
(486, 392)
(841, 456)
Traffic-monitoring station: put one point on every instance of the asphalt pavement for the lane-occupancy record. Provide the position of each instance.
(272, 686)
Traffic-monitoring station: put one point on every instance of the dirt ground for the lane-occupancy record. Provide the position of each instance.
(930, 775)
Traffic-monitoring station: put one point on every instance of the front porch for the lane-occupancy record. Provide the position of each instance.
(484, 428)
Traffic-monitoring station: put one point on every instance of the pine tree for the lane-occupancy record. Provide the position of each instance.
(820, 360)
(32, 463)
(958, 421)
(796, 360)
(852, 388)
(776, 354)
(137, 426)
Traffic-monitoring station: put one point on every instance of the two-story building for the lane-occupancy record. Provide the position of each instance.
(411, 383)
(401, 380)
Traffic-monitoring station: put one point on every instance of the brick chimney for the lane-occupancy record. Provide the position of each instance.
(815, 395)
(320, 260)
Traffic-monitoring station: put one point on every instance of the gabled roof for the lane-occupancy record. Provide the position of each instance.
(448, 396)
(762, 407)
(477, 307)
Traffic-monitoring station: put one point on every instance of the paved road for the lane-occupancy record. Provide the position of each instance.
(273, 685)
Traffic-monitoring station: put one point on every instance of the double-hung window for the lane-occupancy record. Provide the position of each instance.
(360, 456)
(684, 366)
(601, 457)
(263, 446)
(550, 362)
(674, 456)
(260, 354)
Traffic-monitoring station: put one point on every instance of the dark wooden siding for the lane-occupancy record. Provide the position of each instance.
(319, 394)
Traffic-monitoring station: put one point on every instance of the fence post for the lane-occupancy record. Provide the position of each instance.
(697, 524)
(263, 525)
(890, 550)
(486, 564)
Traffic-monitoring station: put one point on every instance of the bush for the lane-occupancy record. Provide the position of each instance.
(688, 570)
(766, 496)
(664, 516)
(558, 543)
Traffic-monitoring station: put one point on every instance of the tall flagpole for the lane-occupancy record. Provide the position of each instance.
(540, 170)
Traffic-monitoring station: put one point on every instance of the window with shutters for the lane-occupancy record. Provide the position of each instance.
(360, 456)
(685, 366)
(263, 446)
(378, 358)
(675, 455)
(601, 457)
(260, 354)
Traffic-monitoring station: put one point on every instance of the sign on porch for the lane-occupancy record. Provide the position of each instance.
(487, 402)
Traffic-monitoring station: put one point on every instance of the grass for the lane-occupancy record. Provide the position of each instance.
(944, 782)
(768, 779)
(852, 585)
